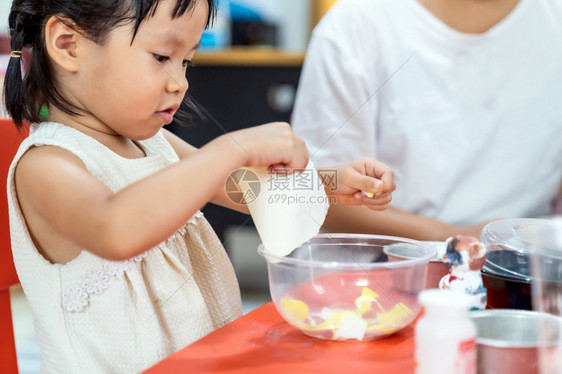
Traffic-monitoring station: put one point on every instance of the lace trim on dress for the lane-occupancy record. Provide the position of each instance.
(75, 299)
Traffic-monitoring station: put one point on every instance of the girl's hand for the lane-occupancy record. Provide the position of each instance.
(359, 179)
(273, 144)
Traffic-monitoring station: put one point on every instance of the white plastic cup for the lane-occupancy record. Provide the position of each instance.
(545, 238)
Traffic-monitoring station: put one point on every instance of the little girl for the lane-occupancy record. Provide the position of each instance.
(118, 264)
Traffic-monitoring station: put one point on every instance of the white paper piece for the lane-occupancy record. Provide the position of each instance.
(289, 209)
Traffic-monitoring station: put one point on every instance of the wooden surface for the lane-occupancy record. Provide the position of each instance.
(319, 8)
(251, 56)
(262, 342)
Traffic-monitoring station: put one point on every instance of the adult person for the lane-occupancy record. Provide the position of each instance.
(461, 98)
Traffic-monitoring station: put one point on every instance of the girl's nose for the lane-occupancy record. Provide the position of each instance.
(177, 81)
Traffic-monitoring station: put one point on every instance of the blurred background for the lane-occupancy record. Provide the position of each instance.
(246, 73)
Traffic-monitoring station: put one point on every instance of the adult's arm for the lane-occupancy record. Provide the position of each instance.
(394, 222)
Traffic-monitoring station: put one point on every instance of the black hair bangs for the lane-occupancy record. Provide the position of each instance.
(147, 8)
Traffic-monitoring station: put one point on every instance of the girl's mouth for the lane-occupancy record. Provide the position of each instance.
(167, 116)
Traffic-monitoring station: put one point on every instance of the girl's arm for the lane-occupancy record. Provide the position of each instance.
(184, 150)
(62, 201)
(345, 182)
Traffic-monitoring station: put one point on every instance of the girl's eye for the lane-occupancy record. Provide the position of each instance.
(161, 59)
(188, 64)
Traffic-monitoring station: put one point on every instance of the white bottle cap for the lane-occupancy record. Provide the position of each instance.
(444, 301)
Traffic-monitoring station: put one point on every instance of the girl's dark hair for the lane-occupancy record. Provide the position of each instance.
(25, 97)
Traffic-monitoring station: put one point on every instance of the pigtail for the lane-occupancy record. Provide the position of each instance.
(14, 87)
(25, 19)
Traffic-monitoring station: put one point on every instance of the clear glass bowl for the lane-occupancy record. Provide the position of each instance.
(350, 286)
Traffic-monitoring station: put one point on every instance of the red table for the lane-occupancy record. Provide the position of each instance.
(262, 342)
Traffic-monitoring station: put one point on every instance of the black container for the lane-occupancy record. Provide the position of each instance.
(507, 272)
(506, 277)
(507, 293)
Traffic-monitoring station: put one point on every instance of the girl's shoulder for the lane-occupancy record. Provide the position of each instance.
(64, 142)
(54, 133)
(58, 134)
(46, 134)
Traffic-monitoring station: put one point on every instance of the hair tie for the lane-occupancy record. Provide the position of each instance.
(15, 54)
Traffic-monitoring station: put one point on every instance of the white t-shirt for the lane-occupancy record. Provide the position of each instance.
(470, 123)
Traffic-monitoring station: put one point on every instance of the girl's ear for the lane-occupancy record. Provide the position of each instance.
(61, 42)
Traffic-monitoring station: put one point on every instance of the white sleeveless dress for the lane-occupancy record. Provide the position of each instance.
(97, 316)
